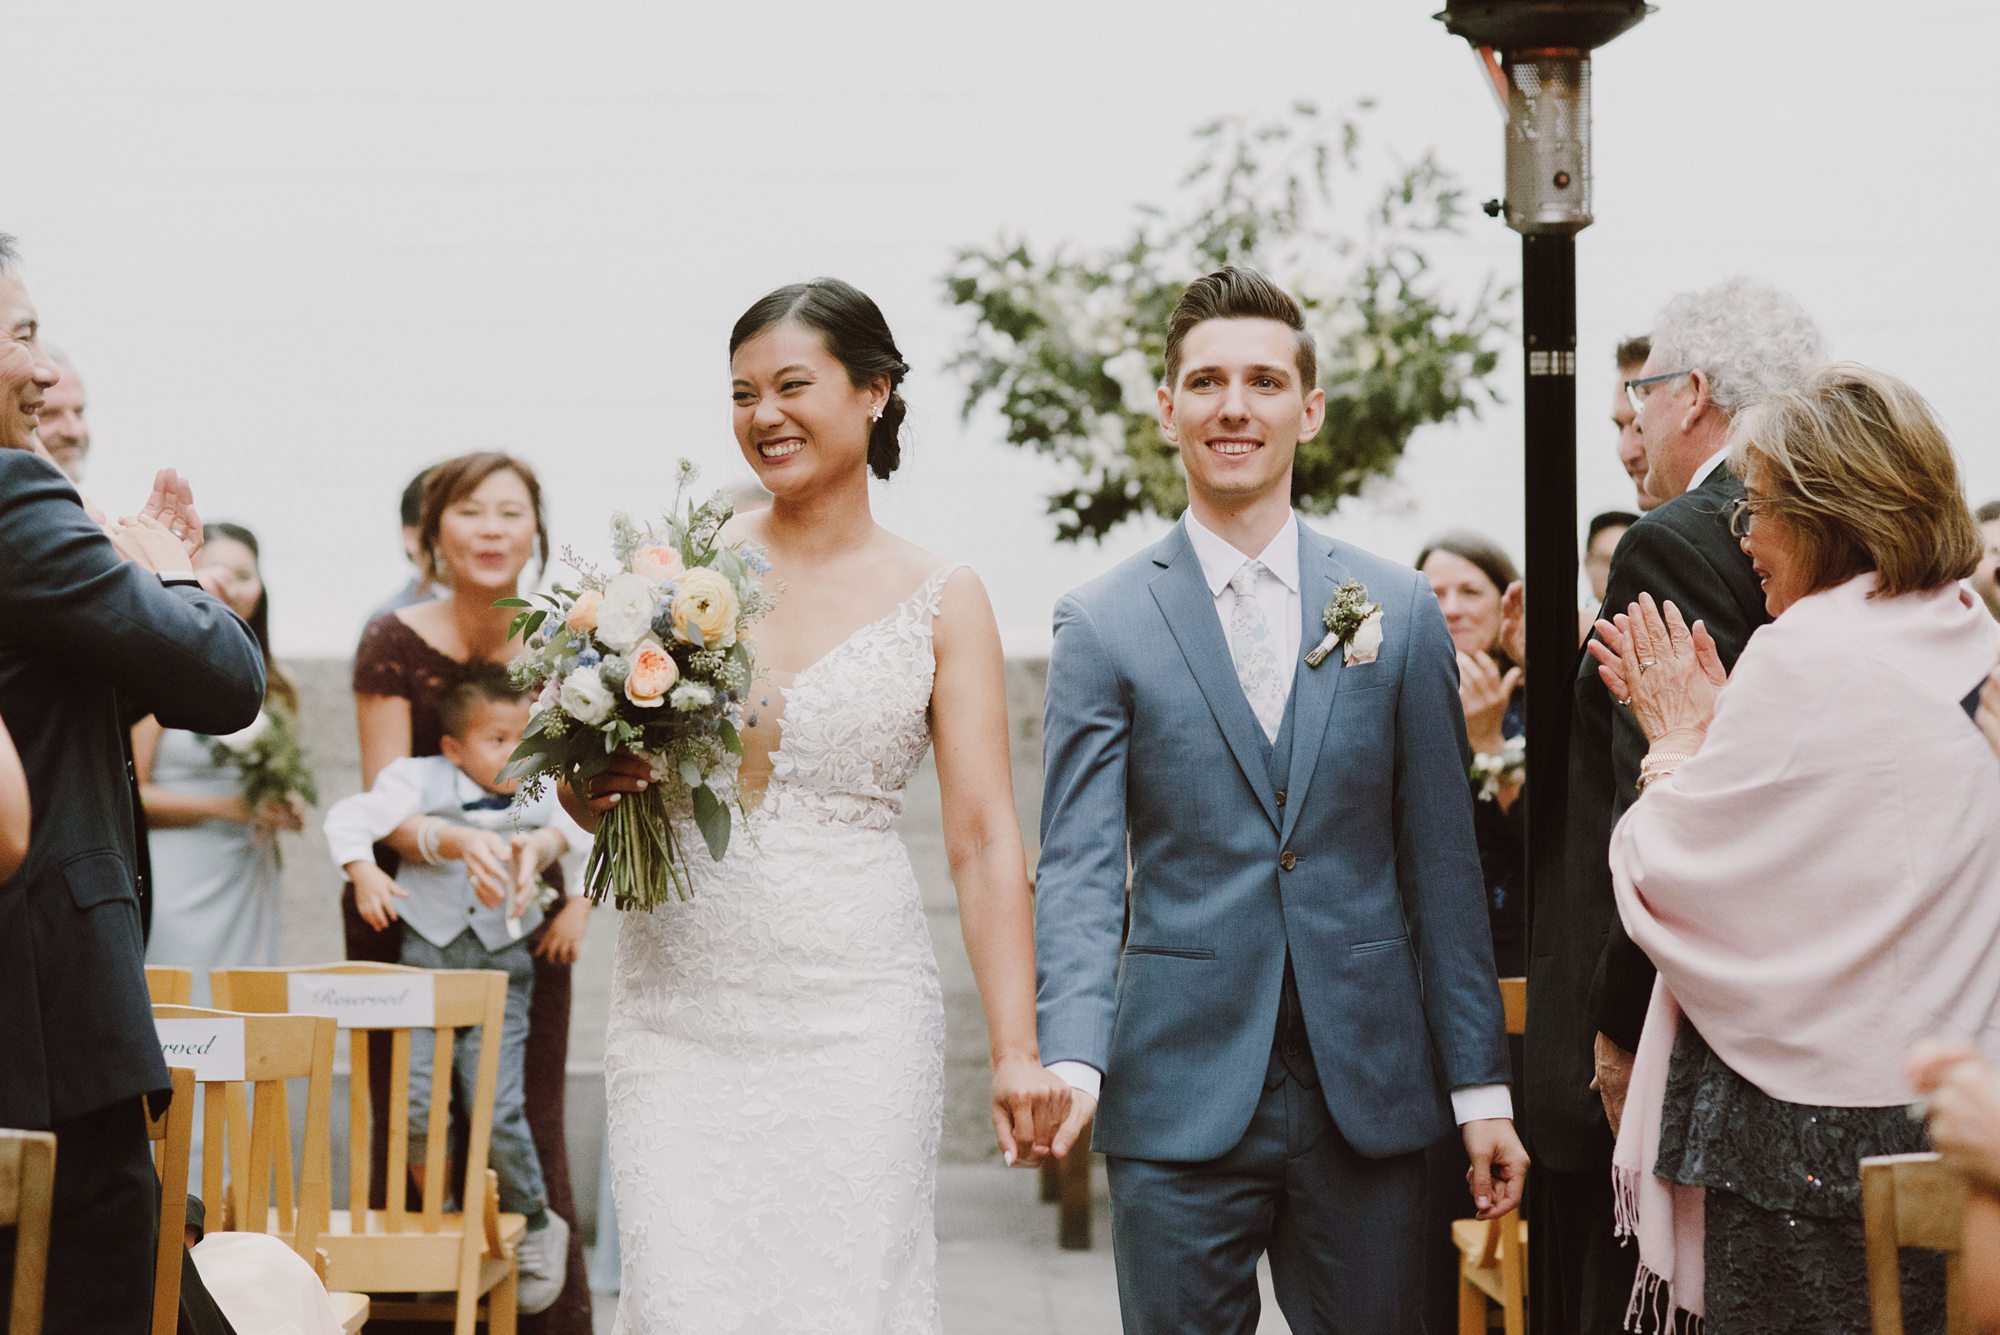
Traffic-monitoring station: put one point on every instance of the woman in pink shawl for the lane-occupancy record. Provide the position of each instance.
(1813, 864)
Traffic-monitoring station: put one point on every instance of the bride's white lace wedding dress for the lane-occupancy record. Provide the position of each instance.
(774, 1067)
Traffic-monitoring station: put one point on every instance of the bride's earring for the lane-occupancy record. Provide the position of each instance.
(875, 413)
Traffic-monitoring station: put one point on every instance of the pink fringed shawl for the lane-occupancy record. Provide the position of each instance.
(1819, 886)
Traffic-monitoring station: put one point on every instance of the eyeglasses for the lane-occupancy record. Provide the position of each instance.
(1637, 390)
(1742, 511)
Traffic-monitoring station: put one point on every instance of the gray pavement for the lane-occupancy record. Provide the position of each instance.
(1000, 1271)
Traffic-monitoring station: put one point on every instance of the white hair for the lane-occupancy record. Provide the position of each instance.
(1750, 338)
(9, 254)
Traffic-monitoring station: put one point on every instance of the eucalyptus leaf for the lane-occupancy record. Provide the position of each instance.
(712, 816)
(730, 740)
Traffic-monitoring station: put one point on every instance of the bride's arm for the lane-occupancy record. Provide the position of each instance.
(989, 866)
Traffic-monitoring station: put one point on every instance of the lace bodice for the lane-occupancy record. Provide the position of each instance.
(856, 723)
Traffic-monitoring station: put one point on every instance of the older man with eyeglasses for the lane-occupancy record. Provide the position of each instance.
(1713, 354)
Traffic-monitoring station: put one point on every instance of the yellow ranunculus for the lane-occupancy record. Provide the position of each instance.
(705, 602)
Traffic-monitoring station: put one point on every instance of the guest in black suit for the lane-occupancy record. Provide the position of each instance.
(92, 636)
(1712, 354)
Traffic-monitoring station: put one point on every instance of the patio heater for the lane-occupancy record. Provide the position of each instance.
(1536, 55)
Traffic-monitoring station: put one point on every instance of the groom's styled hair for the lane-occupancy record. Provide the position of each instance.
(1231, 293)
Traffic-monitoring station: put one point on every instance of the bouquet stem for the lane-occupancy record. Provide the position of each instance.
(635, 861)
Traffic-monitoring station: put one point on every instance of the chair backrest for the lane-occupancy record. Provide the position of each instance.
(172, 1134)
(242, 1063)
(169, 986)
(390, 1001)
(1514, 1004)
(27, 1198)
(1912, 1200)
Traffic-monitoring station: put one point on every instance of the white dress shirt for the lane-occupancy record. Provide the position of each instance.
(1708, 467)
(1277, 592)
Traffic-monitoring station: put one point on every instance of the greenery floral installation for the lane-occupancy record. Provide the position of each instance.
(1068, 345)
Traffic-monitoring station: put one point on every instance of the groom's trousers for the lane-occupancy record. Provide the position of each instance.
(1341, 1229)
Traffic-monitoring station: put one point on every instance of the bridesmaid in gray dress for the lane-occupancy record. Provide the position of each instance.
(215, 860)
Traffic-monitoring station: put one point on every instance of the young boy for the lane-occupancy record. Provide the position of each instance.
(470, 903)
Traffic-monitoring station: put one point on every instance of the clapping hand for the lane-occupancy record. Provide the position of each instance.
(1031, 1105)
(1514, 624)
(146, 543)
(172, 504)
(486, 856)
(1668, 672)
(1963, 1091)
(1987, 716)
(1483, 694)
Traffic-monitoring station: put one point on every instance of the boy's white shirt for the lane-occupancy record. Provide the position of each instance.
(432, 785)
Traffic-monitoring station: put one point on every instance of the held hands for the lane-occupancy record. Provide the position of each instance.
(1032, 1106)
(375, 895)
(486, 856)
(1612, 1067)
(1499, 1166)
(1668, 673)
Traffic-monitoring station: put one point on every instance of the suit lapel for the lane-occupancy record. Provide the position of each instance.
(1312, 688)
(1189, 608)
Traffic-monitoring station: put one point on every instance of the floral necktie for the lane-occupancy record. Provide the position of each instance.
(1255, 651)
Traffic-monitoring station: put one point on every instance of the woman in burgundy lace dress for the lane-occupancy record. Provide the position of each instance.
(482, 523)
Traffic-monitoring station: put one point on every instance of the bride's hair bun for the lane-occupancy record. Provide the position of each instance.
(859, 339)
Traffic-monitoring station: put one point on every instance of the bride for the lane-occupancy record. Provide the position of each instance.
(774, 1067)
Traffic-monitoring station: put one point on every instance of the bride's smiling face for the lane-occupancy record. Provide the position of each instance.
(799, 418)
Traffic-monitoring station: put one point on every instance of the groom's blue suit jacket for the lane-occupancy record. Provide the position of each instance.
(1365, 867)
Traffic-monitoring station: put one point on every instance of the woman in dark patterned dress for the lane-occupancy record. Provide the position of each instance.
(1811, 863)
(482, 523)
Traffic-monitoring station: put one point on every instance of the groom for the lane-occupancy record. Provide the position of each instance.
(1296, 994)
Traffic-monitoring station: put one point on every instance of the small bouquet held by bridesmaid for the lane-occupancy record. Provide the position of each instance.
(648, 659)
(270, 764)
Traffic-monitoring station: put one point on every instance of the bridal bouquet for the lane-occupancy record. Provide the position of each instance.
(647, 659)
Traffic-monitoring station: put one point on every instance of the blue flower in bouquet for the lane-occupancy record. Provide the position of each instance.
(756, 560)
(588, 657)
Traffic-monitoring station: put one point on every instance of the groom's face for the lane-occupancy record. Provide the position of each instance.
(1238, 408)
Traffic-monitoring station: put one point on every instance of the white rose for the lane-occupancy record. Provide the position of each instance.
(1367, 641)
(626, 614)
(585, 697)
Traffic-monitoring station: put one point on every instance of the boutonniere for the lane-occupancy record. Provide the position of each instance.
(1352, 623)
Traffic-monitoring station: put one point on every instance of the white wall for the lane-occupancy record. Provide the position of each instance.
(300, 250)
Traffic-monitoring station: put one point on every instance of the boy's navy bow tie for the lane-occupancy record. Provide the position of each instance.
(490, 802)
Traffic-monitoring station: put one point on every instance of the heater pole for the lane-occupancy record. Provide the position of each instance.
(1548, 308)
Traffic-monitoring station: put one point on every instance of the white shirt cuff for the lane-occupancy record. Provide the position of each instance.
(1079, 1075)
(1476, 1103)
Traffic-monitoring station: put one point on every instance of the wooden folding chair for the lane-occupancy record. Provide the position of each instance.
(27, 1198)
(171, 1132)
(247, 1177)
(1493, 1253)
(470, 1253)
(1912, 1200)
(169, 986)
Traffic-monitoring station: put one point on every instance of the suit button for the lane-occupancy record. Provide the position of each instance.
(1288, 859)
(1281, 797)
